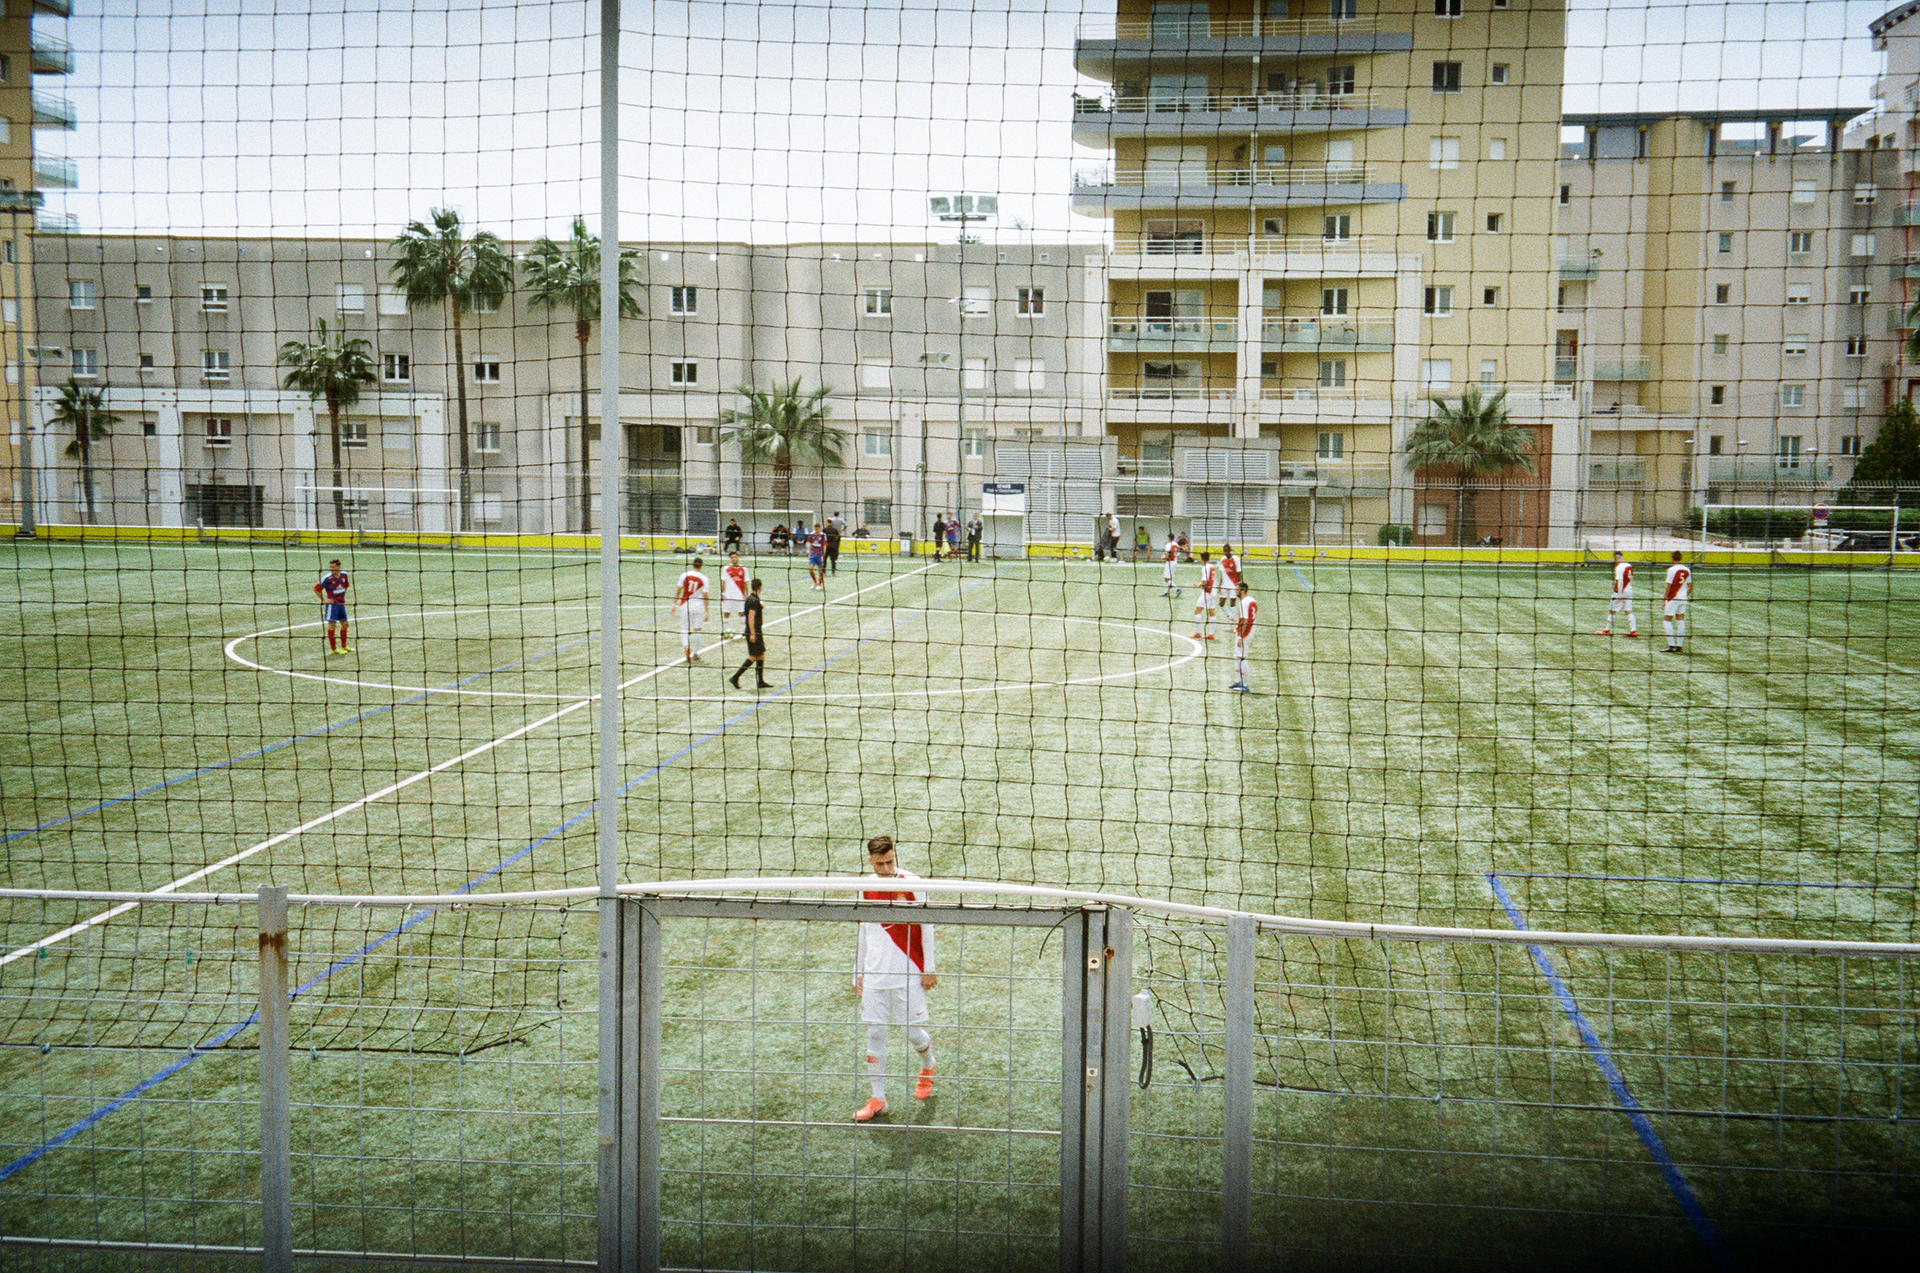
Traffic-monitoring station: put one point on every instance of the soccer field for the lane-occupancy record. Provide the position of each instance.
(1436, 744)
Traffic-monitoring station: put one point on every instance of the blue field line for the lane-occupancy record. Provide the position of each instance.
(1684, 879)
(1302, 578)
(1682, 1192)
(226, 1036)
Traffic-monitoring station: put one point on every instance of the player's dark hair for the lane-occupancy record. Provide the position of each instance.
(333, 561)
(879, 844)
(1676, 554)
(1203, 556)
(697, 563)
(755, 585)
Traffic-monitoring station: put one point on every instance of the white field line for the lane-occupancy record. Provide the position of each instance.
(252, 850)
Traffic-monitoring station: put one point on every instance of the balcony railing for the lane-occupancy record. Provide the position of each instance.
(1322, 331)
(1566, 368)
(1907, 266)
(1258, 245)
(1907, 213)
(56, 223)
(1202, 178)
(1571, 266)
(51, 55)
(53, 112)
(1620, 473)
(1768, 470)
(1321, 393)
(1169, 393)
(1186, 28)
(1623, 367)
(54, 171)
(1174, 333)
(1305, 99)
(1339, 477)
(1129, 468)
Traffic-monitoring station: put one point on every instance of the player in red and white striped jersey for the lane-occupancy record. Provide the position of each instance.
(1243, 637)
(1227, 588)
(1171, 556)
(1203, 599)
(690, 603)
(1622, 602)
(892, 971)
(733, 589)
(1673, 613)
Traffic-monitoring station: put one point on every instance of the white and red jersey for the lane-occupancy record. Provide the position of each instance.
(1249, 612)
(889, 954)
(1206, 578)
(733, 583)
(692, 589)
(1173, 552)
(1622, 578)
(1230, 567)
(1679, 582)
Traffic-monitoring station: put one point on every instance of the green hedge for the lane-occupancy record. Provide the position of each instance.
(1392, 535)
(1754, 523)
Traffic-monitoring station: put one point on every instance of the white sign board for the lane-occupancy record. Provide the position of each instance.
(1003, 497)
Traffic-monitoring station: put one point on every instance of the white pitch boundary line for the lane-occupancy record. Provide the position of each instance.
(114, 912)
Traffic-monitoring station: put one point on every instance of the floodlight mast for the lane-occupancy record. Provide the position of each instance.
(964, 209)
(13, 203)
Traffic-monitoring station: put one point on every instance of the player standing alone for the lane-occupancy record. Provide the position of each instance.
(1203, 599)
(1622, 602)
(893, 970)
(733, 589)
(754, 627)
(817, 559)
(1229, 579)
(332, 591)
(1243, 636)
(1673, 614)
(690, 603)
(1166, 569)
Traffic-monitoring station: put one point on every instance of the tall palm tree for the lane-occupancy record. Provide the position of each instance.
(783, 426)
(83, 408)
(568, 277)
(333, 368)
(441, 264)
(1473, 438)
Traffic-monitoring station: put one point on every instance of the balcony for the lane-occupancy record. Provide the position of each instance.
(1102, 44)
(1620, 367)
(1571, 266)
(1907, 267)
(58, 8)
(51, 55)
(1566, 368)
(54, 172)
(1170, 393)
(1315, 402)
(1908, 213)
(1097, 120)
(1768, 470)
(1200, 255)
(53, 112)
(1339, 478)
(1326, 331)
(1626, 472)
(56, 223)
(1199, 186)
(1129, 468)
(1172, 335)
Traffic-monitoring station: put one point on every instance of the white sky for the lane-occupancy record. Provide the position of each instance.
(764, 121)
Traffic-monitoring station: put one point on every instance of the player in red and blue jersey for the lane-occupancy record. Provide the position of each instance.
(332, 591)
(817, 558)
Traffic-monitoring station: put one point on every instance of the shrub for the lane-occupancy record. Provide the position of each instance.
(1392, 535)
(1753, 523)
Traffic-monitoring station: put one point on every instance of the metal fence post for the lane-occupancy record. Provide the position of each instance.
(1236, 1141)
(644, 1083)
(1096, 966)
(276, 1086)
(630, 1090)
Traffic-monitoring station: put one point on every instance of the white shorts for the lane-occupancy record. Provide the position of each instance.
(1167, 574)
(733, 606)
(1202, 601)
(1674, 610)
(905, 1005)
(1622, 603)
(1230, 597)
(693, 617)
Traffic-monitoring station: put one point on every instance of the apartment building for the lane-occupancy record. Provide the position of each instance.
(30, 55)
(1727, 303)
(1320, 221)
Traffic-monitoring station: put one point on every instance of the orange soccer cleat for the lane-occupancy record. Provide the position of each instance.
(1634, 633)
(1603, 632)
(924, 1088)
(871, 1110)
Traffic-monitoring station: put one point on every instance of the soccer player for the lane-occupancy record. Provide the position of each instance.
(817, 559)
(893, 970)
(1243, 637)
(332, 591)
(1203, 598)
(1229, 588)
(1622, 602)
(1167, 561)
(1673, 615)
(733, 589)
(690, 603)
(755, 627)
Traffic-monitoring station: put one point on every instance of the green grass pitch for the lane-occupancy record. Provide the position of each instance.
(1422, 741)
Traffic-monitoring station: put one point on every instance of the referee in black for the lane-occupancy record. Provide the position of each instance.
(755, 628)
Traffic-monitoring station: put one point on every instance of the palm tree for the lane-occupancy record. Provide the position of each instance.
(441, 264)
(569, 278)
(333, 368)
(1473, 438)
(83, 408)
(783, 426)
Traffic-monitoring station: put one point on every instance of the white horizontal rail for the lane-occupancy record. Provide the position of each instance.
(1283, 924)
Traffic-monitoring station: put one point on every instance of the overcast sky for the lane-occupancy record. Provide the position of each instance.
(765, 121)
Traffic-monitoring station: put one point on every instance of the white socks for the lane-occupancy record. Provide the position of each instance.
(877, 1055)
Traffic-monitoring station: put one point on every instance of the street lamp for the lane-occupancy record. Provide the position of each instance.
(13, 203)
(964, 209)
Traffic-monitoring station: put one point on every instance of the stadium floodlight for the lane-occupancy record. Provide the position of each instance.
(13, 203)
(963, 208)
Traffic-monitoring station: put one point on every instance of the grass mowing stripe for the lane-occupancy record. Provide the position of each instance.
(179, 1063)
(1642, 1125)
(1683, 879)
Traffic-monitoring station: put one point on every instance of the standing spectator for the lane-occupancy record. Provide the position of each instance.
(731, 540)
(756, 631)
(892, 971)
(838, 521)
(975, 529)
(833, 543)
(939, 533)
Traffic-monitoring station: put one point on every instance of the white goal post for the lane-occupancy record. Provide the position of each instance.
(1871, 526)
(391, 510)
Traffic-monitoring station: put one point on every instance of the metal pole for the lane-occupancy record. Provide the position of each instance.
(28, 526)
(961, 446)
(1236, 1141)
(645, 1126)
(276, 1083)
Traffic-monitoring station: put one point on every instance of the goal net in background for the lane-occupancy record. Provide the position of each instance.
(1104, 294)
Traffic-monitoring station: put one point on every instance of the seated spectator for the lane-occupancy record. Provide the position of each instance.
(862, 532)
(777, 538)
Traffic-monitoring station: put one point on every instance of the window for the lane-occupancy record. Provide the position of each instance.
(1856, 346)
(353, 433)
(1446, 77)
(1862, 245)
(1566, 196)
(6, 69)
(393, 301)
(977, 303)
(684, 300)
(1446, 8)
(143, 294)
(1333, 373)
(1430, 519)
(1443, 152)
(219, 431)
(1714, 444)
(1030, 374)
(1717, 395)
(1496, 222)
(703, 435)
(1273, 154)
(1489, 296)
(1727, 190)
(1850, 443)
(1793, 395)
(974, 445)
(1439, 301)
(1342, 10)
(146, 362)
(1337, 228)
(1789, 450)
(1496, 147)
(80, 293)
(213, 298)
(1436, 373)
(397, 368)
(1797, 293)
(486, 371)
(876, 512)
(880, 301)
(86, 364)
(1723, 292)
(1794, 346)
(1499, 4)
(1498, 73)
(486, 304)
(975, 373)
(1866, 193)
(1489, 371)
(1340, 81)
(1723, 243)
(1269, 367)
(1030, 302)
(489, 506)
(876, 443)
(1799, 243)
(215, 364)
(1720, 343)
(1805, 193)
(1333, 300)
(1330, 446)
(684, 372)
(1858, 295)
(486, 437)
(351, 298)
(874, 375)
(1440, 227)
